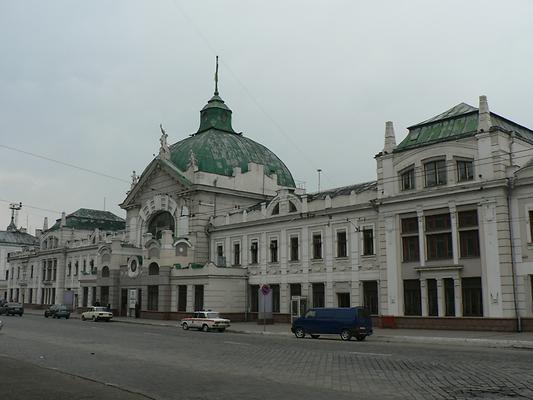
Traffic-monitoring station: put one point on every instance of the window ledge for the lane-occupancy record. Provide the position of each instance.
(366, 256)
(294, 261)
(343, 258)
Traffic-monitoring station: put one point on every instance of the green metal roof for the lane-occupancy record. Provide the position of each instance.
(218, 148)
(457, 122)
(17, 238)
(88, 219)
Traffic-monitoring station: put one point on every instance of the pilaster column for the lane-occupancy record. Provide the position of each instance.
(421, 236)
(455, 241)
(458, 291)
(440, 297)
(424, 297)
(190, 299)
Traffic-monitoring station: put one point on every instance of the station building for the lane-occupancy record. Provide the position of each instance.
(442, 238)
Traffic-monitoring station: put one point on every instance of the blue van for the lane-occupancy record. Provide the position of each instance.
(348, 322)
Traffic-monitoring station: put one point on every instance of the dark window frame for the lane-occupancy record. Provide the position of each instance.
(407, 179)
(435, 173)
(342, 243)
(465, 170)
(317, 246)
(294, 243)
(368, 241)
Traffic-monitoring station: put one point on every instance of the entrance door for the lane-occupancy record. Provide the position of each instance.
(139, 301)
(124, 302)
(298, 307)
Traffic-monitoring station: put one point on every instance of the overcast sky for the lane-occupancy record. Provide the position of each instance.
(88, 83)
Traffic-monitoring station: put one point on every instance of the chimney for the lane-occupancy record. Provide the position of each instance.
(63, 219)
(484, 122)
(23, 230)
(390, 139)
(45, 224)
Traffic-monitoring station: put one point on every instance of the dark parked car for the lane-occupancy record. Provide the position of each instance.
(12, 309)
(57, 311)
(348, 322)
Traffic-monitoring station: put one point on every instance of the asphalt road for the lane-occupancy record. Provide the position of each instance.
(141, 361)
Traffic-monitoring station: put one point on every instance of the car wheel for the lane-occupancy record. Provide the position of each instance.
(299, 333)
(45, 315)
(83, 318)
(346, 335)
(205, 328)
(185, 326)
(221, 329)
(67, 317)
(94, 319)
(315, 336)
(20, 315)
(360, 338)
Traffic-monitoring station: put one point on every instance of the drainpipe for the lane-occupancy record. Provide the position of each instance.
(510, 184)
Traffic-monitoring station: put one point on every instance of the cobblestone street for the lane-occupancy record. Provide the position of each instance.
(163, 362)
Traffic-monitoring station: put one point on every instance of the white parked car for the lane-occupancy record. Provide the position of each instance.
(97, 313)
(205, 321)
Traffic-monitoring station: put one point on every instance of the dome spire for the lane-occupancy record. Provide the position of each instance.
(216, 79)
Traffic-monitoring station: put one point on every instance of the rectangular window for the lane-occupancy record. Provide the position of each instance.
(435, 173)
(31, 272)
(153, 298)
(368, 241)
(449, 297)
(410, 225)
(198, 297)
(472, 297)
(275, 298)
(220, 250)
(274, 250)
(182, 297)
(318, 295)
(410, 248)
(294, 248)
(469, 243)
(295, 289)
(236, 254)
(407, 179)
(467, 219)
(317, 246)
(433, 305)
(465, 171)
(343, 299)
(439, 246)
(370, 296)
(254, 298)
(254, 250)
(468, 237)
(411, 296)
(438, 222)
(342, 245)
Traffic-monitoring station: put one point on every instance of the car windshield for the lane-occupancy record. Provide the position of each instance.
(14, 304)
(212, 315)
(100, 309)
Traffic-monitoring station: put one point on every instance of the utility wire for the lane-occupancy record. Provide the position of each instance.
(63, 163)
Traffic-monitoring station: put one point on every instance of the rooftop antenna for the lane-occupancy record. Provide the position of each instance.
(319, 171)
(216, 79)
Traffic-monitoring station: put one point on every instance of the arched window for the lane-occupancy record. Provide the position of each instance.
(105, 272)
(275, 210)
(292, 207)
(160, 222)
(153, 269)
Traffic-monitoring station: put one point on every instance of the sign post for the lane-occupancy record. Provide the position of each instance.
(265, 299)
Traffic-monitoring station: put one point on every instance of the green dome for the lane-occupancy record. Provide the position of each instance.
(218, 148)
